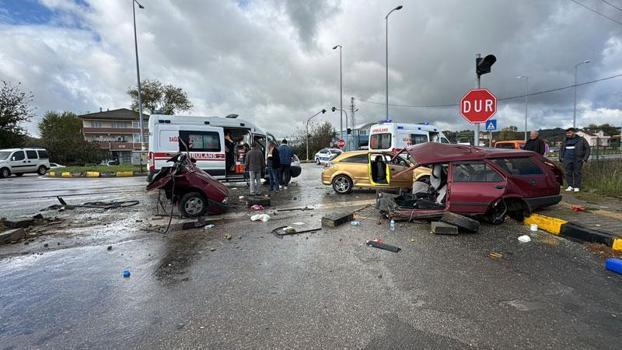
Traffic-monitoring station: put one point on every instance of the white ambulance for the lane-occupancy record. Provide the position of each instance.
(205, 140)
(396, 136)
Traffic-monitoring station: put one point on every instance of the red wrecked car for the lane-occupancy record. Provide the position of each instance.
(475, 181)
(193, 190)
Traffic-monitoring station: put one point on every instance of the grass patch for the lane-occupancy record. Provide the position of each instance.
(99, 168)
(604, 176)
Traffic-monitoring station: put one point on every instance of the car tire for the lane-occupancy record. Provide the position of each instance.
(461, 221)
(342, 184)
(317, 161)
(5, 172)
(42, 170)
(19, 174)
(193, 205)
(497, 213)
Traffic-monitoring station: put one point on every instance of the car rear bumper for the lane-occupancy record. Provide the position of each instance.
(541, 202)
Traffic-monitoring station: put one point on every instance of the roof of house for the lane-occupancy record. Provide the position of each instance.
(115, 114)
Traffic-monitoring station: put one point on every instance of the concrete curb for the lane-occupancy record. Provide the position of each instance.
(95, 174)
(574, 231)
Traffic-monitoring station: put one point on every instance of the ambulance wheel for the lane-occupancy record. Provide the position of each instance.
(192, 205)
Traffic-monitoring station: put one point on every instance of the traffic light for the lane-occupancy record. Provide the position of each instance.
(323, 111)
(482, 65)
(349, 131)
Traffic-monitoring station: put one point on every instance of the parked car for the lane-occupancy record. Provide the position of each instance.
(56, 165)
(20, 161)
(370, 169)
(477, 181)
(512, 144)
(193, 190)
(326, 154)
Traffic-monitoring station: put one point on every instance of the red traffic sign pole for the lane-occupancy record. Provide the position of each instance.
(478, 105)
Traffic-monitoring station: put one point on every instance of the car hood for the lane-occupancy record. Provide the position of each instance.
(433, 152)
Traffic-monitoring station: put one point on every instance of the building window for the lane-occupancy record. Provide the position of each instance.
(96, 124)
(120, 125)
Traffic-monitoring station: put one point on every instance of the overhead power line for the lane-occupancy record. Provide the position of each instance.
(597, 12)
(536, 93)
(612, 5)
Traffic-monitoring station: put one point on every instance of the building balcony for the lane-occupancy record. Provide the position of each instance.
(114, 131)
(119, 146)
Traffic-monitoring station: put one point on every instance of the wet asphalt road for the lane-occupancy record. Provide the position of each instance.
(194, 289)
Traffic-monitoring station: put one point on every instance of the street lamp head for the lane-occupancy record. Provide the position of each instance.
(586, 61)
(140, 6)
(336, 46)
(399, 8)
(323, 111)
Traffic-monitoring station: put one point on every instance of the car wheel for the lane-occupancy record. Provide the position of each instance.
(42, 170)
(19, 175)
(461, 221)
(497, 213)
(193, 204)
(5, 172)
(317, 161)
(342, 184)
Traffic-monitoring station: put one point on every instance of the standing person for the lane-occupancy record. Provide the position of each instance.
(286, 154)
(535, 143)
(255, 164)
(229, 153)
(274, 166)
(574, 152)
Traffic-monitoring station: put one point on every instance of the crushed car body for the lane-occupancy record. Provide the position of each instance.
(475, 181)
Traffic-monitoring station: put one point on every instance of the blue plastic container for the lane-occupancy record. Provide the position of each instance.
(614, 265)
(126, 274)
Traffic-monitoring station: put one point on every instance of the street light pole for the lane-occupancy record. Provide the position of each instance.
(574, 110)
(386, 21)
(526, 101)
(308, 120)
(140, 104)
(341, 110)
(340, 89)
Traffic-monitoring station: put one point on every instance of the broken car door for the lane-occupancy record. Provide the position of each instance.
(473, 186)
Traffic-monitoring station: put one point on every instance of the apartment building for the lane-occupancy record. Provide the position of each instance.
(116, 131)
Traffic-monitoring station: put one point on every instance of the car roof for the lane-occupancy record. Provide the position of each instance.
(360, 152)
(510, 141)
(433, 152)
(22, 149)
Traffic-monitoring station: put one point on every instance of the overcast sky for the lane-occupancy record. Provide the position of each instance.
(272, 61)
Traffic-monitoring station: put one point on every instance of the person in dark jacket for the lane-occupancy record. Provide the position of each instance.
(229, 153)
(573, 153)
(286, 153)
(535, 143)
(255, 165)
(274, 167)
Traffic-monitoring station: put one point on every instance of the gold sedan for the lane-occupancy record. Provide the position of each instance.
(370, 169)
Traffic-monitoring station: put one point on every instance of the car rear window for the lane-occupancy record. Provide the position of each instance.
(32, 154)
(43, 154)
(474, 172)
(359, 158)
(519, 166)
(380, 141)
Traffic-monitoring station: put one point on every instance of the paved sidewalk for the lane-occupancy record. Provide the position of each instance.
(602, 213)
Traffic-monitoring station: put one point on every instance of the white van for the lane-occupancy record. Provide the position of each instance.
(20, 161)
(396, 136)
(205, 140)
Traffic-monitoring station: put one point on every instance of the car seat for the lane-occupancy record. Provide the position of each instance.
(438, 182)
(381, 170)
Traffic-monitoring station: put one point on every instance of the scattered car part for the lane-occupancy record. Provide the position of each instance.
(337, 219)
(378, 243)
(96, 205)
(461, 221)
(443, 228)
(288, 230)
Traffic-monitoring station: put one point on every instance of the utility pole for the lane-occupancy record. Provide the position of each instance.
(356, 140)
(140, 104)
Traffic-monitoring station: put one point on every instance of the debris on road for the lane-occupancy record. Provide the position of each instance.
(296, 208)
(12, 235)
(288, 230)
(578, 208)
(94, 205)
(461, 221)
(257, 207)
(207, 227)
(524, 239)
(533, 227)
(614, 265)
(495, 255)
(299, 223)
(378, 243)
(260, 217)
(228, 236)
(337, 219)
(126, 274)
(355, 223)
(443, 228)
(261, 201)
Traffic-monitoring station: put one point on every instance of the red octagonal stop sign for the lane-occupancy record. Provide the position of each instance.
(478, 105)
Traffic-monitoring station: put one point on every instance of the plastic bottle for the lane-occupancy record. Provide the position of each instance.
(392, 225)
(355, 223)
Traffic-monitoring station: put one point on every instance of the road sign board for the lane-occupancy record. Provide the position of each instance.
(491, 125)
(341, 143)
(478, 105)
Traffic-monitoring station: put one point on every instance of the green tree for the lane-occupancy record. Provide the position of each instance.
(159, 98)
(14, 110)
(61, 134)
(509, 133)
(320, 136)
